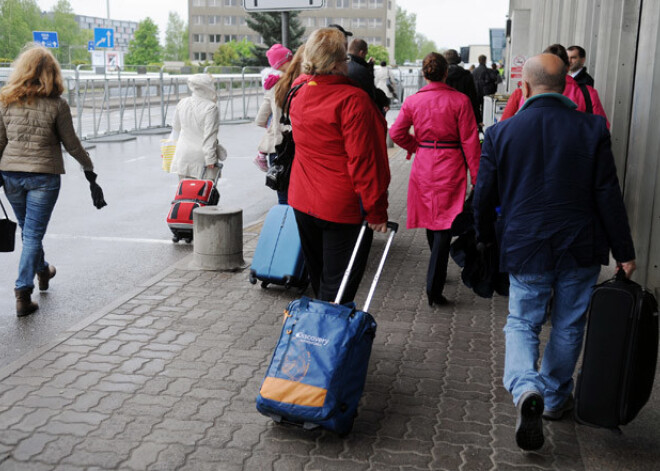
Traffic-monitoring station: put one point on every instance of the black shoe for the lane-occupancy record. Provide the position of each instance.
(557, 414)
(438, 300)
(529, 426)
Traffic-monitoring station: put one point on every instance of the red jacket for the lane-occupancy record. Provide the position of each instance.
(436, 192)
(571, 91)
(341, 161)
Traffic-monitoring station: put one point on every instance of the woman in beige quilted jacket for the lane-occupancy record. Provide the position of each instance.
(34, 122)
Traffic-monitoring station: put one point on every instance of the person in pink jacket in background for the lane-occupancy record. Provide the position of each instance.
(573, 91)
(446, 137)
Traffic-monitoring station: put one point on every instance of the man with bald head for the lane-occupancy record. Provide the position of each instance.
(551, 172)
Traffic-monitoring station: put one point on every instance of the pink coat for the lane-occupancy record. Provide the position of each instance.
(438, 178)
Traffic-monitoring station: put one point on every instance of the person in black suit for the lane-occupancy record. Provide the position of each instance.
(461, 80)
(576, 58)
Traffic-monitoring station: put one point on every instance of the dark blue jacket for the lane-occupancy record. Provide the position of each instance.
(552, 171)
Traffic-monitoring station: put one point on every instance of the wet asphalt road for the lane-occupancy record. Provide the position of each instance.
(101, 255)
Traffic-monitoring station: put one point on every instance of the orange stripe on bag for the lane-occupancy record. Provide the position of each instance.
(292, 392)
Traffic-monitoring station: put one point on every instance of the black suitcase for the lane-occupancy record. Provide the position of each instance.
(619, 356)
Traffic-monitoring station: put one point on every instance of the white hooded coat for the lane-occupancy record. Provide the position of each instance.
(196, 121)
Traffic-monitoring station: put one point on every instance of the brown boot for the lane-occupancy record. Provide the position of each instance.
(24, 305)
(45, 276)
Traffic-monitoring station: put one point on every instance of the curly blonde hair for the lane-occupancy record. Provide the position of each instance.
(324, 48)
(36, 74)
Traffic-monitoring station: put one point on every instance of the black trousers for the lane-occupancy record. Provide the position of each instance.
(436, 277)
(328, 247)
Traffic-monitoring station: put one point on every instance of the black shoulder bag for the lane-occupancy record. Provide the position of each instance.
(279, 173)
(7, 232)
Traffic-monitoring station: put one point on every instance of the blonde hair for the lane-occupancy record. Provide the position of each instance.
(36, 74)
(324, 48)
(284, 83)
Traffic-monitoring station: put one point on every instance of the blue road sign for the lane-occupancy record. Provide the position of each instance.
(104, 37)
(46, 38)
(90, 45)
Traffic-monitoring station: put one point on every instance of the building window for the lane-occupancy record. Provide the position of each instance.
(324, 22)
(198, 20)
(343, 4)
(375, 23)
(230, 20)
(359, 22)
(389, 4)
(213, 3)
(214, 19)
(230, 37)
(375, 3)
(215, 38)
(242, 20)
(389, 24)
(388, 42)
(359, 3)
(199, 56)
(198, 38)
(198, 3)
(231, 3)
(310, 21)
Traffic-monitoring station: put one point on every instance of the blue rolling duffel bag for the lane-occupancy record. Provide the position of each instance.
(317, 373)
(278, 257)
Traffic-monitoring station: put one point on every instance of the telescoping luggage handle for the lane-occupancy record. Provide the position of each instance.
(394, 227)
(218, 166)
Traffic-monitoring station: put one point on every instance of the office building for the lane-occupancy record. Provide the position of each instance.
(213, 22)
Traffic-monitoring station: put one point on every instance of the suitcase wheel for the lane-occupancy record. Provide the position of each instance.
(188, 240)
(264, 284)
(253, 277)
(175, 239)
(287, 282)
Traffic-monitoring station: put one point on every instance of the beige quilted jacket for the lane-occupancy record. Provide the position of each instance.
(31, 136)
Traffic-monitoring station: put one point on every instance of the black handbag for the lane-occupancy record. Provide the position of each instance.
(279, 173)
(7, 232)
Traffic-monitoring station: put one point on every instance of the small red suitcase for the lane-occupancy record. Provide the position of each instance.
(190, 194)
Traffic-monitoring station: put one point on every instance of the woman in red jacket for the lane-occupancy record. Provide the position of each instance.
(340, 172)
(446, 137)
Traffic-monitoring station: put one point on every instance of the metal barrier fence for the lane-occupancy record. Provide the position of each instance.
(132, 102)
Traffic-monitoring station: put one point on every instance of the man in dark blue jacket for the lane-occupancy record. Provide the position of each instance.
(551, 171)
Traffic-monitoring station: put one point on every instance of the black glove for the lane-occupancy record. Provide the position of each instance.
(97, 192)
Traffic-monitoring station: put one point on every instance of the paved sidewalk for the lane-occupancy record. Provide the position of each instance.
(166, 379)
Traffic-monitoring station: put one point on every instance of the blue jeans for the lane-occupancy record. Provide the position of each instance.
(33, 197)
(529, 295)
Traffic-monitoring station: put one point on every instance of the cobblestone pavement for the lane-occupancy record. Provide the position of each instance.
(167, 379)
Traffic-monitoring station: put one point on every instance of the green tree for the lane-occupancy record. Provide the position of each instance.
(18, 18)
(144, 48)
(234, 53)
(269, 26)
(176, 38)
(379, 53)
(405, 48)
(424, 46)
(72, 40)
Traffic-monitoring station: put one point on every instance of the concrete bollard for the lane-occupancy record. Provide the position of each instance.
(218, 238)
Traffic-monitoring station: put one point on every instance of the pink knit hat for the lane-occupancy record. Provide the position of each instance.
(278, 55)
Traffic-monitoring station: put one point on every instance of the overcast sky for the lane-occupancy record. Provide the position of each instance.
(450, 23)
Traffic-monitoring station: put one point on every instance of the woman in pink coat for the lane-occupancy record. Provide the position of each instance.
(446, 137)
